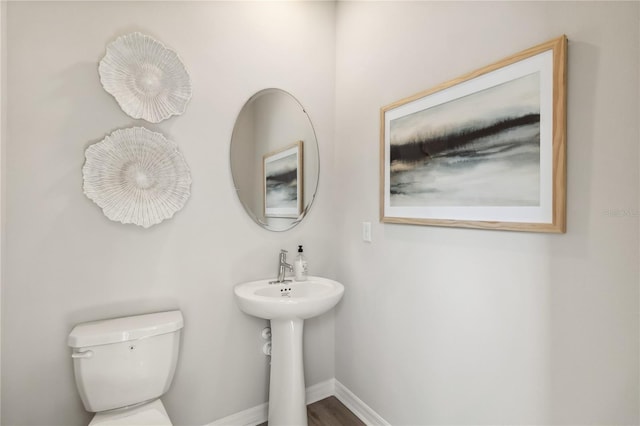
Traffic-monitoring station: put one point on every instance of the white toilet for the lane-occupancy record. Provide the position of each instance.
(124, 365)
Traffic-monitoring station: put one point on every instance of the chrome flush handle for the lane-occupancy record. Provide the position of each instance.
(85, 354)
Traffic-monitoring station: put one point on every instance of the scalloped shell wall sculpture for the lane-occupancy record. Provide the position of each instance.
(136, 176)
(148, 80)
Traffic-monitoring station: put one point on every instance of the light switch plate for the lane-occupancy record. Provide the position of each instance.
(366, 232)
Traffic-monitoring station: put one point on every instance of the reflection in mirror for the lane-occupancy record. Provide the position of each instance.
(274, 159)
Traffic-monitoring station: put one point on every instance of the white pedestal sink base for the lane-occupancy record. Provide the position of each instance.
(287, 305)
(287, 405)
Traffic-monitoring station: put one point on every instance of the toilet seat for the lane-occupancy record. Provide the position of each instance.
(149, 414)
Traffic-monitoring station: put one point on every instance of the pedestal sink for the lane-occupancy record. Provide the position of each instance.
(287, 305)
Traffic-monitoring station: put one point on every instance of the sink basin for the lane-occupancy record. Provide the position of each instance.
(290, 300)
(287, 305)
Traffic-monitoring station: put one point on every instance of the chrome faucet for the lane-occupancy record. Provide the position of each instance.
(282, 268)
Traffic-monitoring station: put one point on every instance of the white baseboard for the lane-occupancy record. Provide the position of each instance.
(249, 417)
(358, 407)
(258, 414)
(320, 391)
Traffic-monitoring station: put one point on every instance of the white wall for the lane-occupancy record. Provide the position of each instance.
(66, 262)
(3, 115)
(438, 326)
(455, 326)
(245, 179)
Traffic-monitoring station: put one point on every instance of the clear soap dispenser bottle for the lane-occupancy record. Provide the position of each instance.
(300, 266)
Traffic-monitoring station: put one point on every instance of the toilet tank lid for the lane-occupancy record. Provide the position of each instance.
(117, 330)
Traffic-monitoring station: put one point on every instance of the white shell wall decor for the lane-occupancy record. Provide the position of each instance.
(136, 176)
(148, 80)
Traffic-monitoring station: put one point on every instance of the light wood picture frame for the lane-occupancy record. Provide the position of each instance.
(485, 150)
(282, 178)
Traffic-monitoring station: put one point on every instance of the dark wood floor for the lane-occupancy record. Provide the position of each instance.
(330, 412)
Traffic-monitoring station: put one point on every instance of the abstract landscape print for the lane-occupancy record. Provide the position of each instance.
(486, 150)
(283, 181)
(479, 150)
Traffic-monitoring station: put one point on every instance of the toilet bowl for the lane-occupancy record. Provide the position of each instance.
(123, 366)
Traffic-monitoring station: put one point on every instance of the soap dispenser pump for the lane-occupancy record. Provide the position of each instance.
(300, 266)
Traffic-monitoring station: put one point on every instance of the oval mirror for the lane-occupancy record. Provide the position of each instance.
(274, 159)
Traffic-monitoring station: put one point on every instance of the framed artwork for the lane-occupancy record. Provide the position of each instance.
(282, 182)
(486, 150)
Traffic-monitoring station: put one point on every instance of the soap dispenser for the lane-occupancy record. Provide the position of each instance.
(300, 266)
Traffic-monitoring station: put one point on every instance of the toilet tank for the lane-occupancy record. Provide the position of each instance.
(125, 361)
